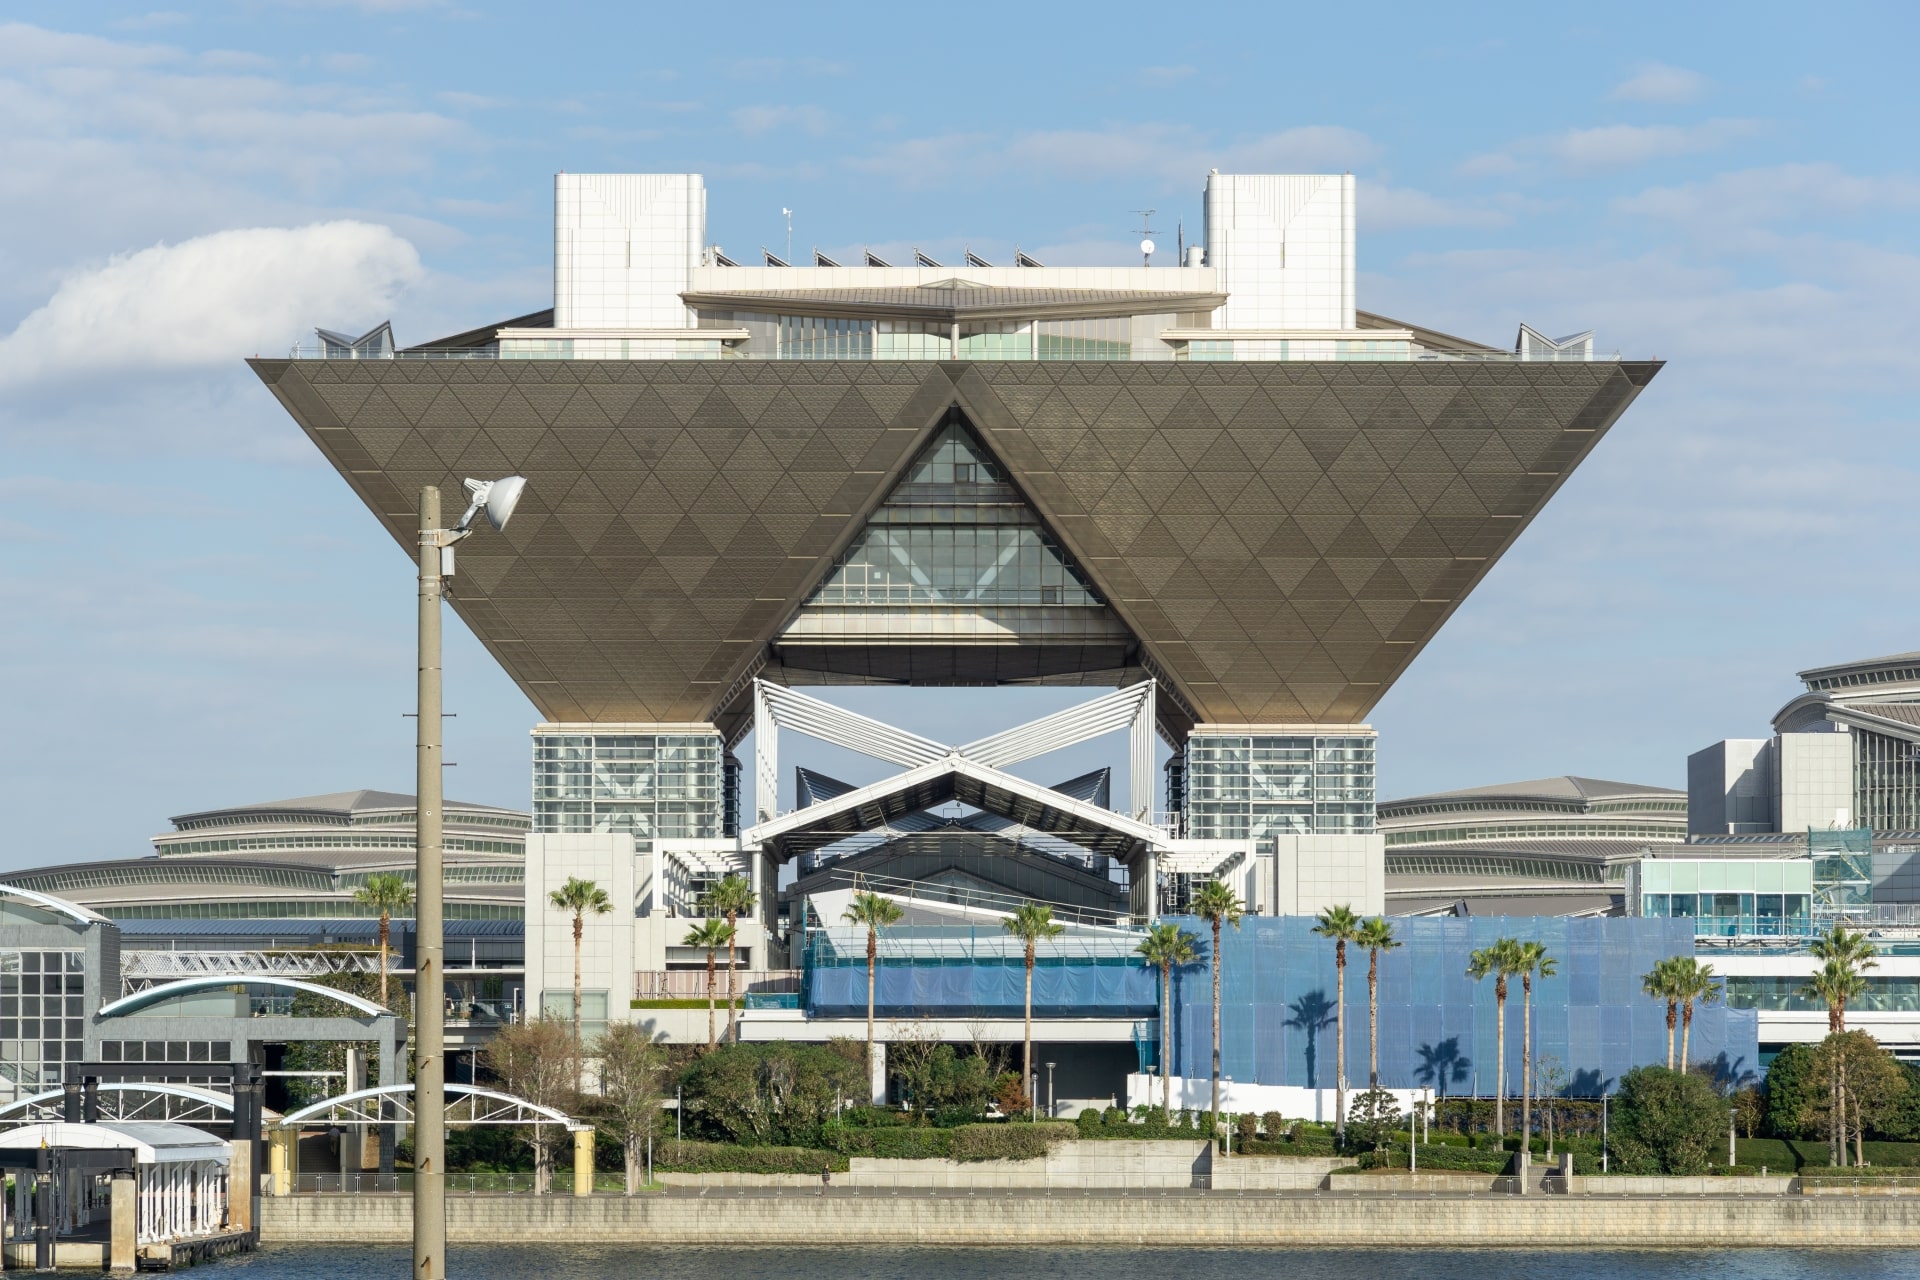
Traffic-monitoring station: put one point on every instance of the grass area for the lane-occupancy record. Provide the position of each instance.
(699, 1003)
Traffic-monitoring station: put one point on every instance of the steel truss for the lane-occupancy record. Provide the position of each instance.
(393, 1105)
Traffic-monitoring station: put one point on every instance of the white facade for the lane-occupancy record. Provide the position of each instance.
(1813, 780)
(1283, 245)
(1314, 872)
(1730, 788)
(607, 941)
(624, 248)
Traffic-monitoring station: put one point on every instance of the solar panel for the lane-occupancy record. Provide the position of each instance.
(875, 260)
(1026, 260)
(975, 260)
(922, 260)
(822, 260)
(722, 260)
(773, 260)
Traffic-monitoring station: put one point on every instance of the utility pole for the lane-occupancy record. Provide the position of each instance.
(429, 1011)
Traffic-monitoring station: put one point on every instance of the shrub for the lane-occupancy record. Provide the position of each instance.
(1114, 1118)
(1666, 1122)
(1273, 1125)
(1017, 1141)
(770, 1093)
(725, 1157)
(1249, 1128)
(1088, 1122)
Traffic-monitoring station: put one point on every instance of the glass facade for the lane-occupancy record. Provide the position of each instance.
(1886, 781)
(1438, 1027)
(1242, 787)
(1882, 995)
(657, 786)
(1730, 898)
(1104, 339)
(955, 532)
(42, 1018)
(825, 338)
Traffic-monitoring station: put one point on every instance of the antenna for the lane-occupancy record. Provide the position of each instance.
(1146, 235)
(788, 215)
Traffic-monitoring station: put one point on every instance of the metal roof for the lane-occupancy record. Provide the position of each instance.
(1566, 787)
(333, 804)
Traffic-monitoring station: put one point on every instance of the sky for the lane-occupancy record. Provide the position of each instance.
(195, 611)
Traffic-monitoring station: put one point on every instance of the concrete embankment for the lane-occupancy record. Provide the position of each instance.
(909, 1217)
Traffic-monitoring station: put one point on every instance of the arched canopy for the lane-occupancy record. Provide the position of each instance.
(151, 1142)
(140, 1000)
(59, 906)
(218, 1101)
(484, 1107)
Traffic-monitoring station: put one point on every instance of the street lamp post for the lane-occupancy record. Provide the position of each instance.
(497, 498)
(1052, 1112)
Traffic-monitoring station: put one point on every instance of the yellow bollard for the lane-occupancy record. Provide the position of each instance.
(583, 1162)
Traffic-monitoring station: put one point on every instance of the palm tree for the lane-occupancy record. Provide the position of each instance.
(1533, 960)
(1502, 961)
(1376, 935)
(1340, 924)
(1216, 903)
(1165, 946)
(1692, 981)
(1661, 983)
(876, 913)
(731, 898)
(1838, 982)
(709, 936)
(1031, 922)
(579, 897)
(1852, 952)
(386, 893)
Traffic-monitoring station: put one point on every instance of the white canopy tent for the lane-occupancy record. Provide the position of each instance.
(180, 1174)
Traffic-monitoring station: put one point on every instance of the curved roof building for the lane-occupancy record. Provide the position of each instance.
(1551, 846)
(298, 859)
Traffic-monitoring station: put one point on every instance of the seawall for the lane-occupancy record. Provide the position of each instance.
(1140, 1218)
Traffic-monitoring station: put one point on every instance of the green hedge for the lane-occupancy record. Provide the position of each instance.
(1438, 1157)
(1017, 1140)
(1304, 1145)
(892, 1142)
(724, 1157)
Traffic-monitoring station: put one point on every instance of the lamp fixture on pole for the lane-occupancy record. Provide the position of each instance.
(497, 498)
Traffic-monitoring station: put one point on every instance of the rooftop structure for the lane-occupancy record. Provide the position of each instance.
(1549, 846)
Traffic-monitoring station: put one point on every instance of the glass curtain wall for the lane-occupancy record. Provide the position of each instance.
(1262, 787)
(656, 786)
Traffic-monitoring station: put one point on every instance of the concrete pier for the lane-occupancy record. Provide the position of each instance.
(1027, 1218)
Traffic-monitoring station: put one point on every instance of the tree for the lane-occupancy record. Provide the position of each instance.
(1500, 961)
(1692, 981)
(771, 1093)
(1031, 922)
(387, 894)
(1790, 1078)
(1165, 946)
(1374, 1117)
(1872, 1085)
(1376, 935)
(630, 1094)
(1838, 981)
(731, 898)
(876, 913)
(1666, 1122)
(1661, 983)
(579, 898)
(1532, 959)
(1341, 925)
(1851, 953)
(538, 1061)
(709, 936)
(1217, 904)
(1750, 1109)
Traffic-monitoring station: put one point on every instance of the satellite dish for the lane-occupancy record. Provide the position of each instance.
(1146, 248)
(502, 497)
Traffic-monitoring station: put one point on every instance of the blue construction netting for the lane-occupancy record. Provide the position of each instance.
(1438, 1027)
(965, 973)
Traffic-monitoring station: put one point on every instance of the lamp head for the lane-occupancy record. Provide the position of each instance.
(497, 498)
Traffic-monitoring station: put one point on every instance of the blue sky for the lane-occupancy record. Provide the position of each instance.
(194, 611)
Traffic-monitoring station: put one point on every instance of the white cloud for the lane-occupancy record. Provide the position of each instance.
(1778, 193)
(1657, 82)
(1173, 154)
(1385, 208)
(1618, 146)
(1164, 77)
(757, 120)
(210, 300)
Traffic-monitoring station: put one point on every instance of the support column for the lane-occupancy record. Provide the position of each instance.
(1140, 774)
(281, 1154)
(240, 1185)
(43, 1211)
(583, 1162)
(120, 1241)
(766, 759)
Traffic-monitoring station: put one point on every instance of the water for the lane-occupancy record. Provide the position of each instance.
(539, 1263)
